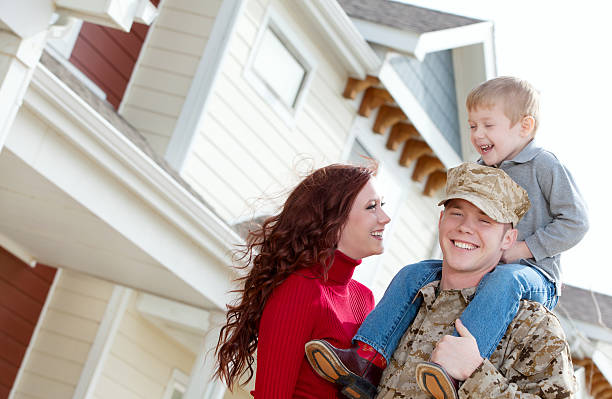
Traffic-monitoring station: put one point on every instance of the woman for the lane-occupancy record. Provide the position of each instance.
(299, 286)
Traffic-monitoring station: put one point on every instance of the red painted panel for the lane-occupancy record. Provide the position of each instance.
(15, 326)
(4, 392)
(8, 373)
(23, 292)
(12, 351)
(28, 282)
(107, 56)
(101, 42)
(45, 272)
(98, 68)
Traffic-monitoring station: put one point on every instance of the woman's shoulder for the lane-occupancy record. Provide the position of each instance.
(358, 289)
(302, 282)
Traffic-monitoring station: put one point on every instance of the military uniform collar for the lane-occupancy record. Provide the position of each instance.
(430, 293)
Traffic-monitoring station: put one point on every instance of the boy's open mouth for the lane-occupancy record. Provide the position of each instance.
(486, 148)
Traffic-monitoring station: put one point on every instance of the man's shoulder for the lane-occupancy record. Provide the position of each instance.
(542, 326)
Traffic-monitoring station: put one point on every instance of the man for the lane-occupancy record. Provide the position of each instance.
(532, 360)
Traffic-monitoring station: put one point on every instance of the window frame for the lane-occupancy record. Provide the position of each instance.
(290, 39)
(178, 382)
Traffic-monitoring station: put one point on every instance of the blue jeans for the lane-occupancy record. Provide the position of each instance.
(487, 316)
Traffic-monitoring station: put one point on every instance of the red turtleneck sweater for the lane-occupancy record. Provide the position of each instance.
(302, 308)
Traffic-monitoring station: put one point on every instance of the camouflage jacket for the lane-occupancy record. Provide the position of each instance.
(531, 361)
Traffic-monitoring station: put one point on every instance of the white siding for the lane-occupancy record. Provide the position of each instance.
(166, 66)
(412, 239)
(67, 332)
(245, 150)
(141, 360)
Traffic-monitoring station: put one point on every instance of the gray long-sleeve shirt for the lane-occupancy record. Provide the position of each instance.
(557, 219)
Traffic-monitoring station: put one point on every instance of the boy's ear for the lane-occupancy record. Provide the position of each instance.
(527, 125)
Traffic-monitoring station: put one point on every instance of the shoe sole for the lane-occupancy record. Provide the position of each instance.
(432, 379)
(326, 364)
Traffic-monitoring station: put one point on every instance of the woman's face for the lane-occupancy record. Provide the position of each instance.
(362, 234)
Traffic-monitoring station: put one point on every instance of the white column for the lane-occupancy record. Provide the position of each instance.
(18, 58)
(201, 385)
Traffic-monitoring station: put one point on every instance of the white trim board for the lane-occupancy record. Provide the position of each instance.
(203, 83)
(420, 44)
(196, 242)
(37, 329)
(107, 330)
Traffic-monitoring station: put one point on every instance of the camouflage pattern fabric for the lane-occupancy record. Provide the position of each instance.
(531, 361)
(490, 189)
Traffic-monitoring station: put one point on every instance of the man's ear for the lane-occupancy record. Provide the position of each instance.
(527, 125)
(509, 238)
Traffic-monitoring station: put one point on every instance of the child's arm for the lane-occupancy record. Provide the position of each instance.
(519, 250)
(565, 205)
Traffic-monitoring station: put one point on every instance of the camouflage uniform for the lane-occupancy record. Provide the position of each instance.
(532, 360)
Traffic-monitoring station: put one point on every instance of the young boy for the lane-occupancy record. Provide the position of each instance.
(503, 115)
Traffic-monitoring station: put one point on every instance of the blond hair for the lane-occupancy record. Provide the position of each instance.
(520, 98)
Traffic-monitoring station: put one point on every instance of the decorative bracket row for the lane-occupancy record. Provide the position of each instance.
(427, 167)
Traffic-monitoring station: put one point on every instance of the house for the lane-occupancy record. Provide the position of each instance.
(130, 160)
(586, 318)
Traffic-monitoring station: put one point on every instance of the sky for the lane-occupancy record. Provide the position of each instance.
(562, 48)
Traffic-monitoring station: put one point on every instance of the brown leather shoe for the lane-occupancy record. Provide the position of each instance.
(434, 380)
(357, 377)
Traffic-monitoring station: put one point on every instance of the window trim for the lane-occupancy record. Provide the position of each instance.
(280, 27)
(178, 381)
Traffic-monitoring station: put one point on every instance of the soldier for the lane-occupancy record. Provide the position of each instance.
(532, 360)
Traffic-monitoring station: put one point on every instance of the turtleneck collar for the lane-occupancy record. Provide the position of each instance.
(342, 269)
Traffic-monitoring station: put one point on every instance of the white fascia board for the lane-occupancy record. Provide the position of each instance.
(419, 45)
(417, 115)
(453, 38)
(187, 213)
(198, 242)
(357, 56)
(591, 331)
(188, 317)
(393, 38)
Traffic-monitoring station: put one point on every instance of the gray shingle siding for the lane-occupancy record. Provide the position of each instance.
(432, 82)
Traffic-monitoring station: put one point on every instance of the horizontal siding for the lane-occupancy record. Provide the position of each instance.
(412, 239)
(141, 360)
(65, 337)
(166, 67)
(268, 150)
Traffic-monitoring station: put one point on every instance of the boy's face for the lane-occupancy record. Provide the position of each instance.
(493, 136)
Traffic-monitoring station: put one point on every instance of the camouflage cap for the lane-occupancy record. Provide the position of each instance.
(490, 189)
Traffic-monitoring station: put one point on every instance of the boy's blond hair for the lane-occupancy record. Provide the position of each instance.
(520, 98)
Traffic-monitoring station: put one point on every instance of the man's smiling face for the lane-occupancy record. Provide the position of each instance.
(472, 243)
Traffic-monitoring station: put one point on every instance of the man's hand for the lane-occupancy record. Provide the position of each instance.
(519, 250)
(458, 355)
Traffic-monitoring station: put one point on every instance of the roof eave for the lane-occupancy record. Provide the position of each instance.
(420, 44)
(351, 47)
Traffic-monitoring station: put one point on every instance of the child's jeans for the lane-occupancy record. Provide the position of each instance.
(487, 316)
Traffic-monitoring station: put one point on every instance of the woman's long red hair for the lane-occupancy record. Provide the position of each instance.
(305, 232)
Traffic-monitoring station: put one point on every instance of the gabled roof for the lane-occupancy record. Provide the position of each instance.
(404, 16)
(586, 306)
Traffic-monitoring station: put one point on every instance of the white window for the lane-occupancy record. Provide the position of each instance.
(279, 66)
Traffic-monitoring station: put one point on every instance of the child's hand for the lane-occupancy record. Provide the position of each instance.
(518, 251)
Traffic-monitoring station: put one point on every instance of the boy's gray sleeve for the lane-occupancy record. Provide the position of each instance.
(566, 207)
